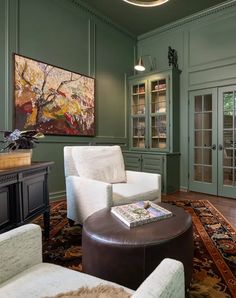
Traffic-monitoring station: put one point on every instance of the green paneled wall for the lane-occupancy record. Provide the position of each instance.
(64, 34)
(206, 48)
(51, 32)
(2, 63)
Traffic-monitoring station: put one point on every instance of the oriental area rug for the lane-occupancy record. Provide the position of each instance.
(214, 263)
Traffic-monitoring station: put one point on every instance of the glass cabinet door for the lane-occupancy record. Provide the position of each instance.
(138, 115)
(158, 114)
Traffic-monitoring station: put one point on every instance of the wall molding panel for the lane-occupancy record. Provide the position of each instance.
(6, 64)
(210, 45)
(215, 76)
(188, 20)
(91, 48)
(101, 17)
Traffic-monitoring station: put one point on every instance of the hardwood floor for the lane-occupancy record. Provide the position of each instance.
(225, 206)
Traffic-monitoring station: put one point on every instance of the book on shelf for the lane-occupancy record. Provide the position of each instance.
(140, 213)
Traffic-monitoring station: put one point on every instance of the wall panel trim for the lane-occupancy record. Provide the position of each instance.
(217, 75)
(7, 37)
(57, 195)
(88, 141)
(91, 48)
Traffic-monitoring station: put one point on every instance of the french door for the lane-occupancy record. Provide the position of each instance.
(212, 141)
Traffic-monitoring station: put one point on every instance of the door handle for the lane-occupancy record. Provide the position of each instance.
(213, 147)
(220, 147)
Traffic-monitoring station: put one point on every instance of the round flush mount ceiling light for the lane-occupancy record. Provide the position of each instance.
(146, 3)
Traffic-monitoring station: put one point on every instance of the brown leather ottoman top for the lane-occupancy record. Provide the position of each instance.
(113, 251)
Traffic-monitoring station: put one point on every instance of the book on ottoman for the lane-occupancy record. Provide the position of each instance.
(140, 213)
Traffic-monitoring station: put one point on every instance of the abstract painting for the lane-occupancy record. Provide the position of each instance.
(52, 100)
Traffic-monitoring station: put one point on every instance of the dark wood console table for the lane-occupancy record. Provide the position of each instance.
(24, 195)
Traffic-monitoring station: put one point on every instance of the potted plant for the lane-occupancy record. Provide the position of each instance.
(17, 147)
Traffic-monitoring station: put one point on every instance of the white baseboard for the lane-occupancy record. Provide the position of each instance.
(57, 195)
(183, 188)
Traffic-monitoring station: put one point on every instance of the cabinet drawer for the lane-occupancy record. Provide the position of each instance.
(152, 164)
(4, 207)
(7, 206)
(34, 196)
(132, 161)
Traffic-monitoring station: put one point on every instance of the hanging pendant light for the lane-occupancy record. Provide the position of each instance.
(146, 3)
(140, 65)
(148, 64)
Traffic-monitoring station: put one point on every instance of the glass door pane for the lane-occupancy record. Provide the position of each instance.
(158, 114)
(203, 138)
(138, 100)
(138, 115)
(159, 131)
(139, 132)
(229, 128)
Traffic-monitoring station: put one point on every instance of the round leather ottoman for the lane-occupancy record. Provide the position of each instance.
(124, 255)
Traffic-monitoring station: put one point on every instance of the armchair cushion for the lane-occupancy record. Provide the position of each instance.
(103, 163)
(104, 291)
(46, 280)
(140, 186)
(124, 193)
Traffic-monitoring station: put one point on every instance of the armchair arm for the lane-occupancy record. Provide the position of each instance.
(86, 196)
(166, 281)
(20, 249)
(149, 179)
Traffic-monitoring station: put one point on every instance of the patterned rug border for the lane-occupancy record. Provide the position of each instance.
(216, 212)
(224, 269)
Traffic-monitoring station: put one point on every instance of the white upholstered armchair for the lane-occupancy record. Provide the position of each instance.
(96, 178)
(23, 275)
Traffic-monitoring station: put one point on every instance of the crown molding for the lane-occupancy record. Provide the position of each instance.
(189, 19)
(101, 17)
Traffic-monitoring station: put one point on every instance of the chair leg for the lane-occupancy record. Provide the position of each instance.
(71, 222)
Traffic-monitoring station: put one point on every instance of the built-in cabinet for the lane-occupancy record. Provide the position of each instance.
(154, 126)
(165, 164)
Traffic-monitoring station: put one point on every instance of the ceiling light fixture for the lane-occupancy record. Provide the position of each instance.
(140, 66)
(146, 3)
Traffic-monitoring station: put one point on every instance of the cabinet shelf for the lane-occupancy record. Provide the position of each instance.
(158, 90)
(157, 137)
(158, 114)
(138, 116)
(137, 137)
(139, 93)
